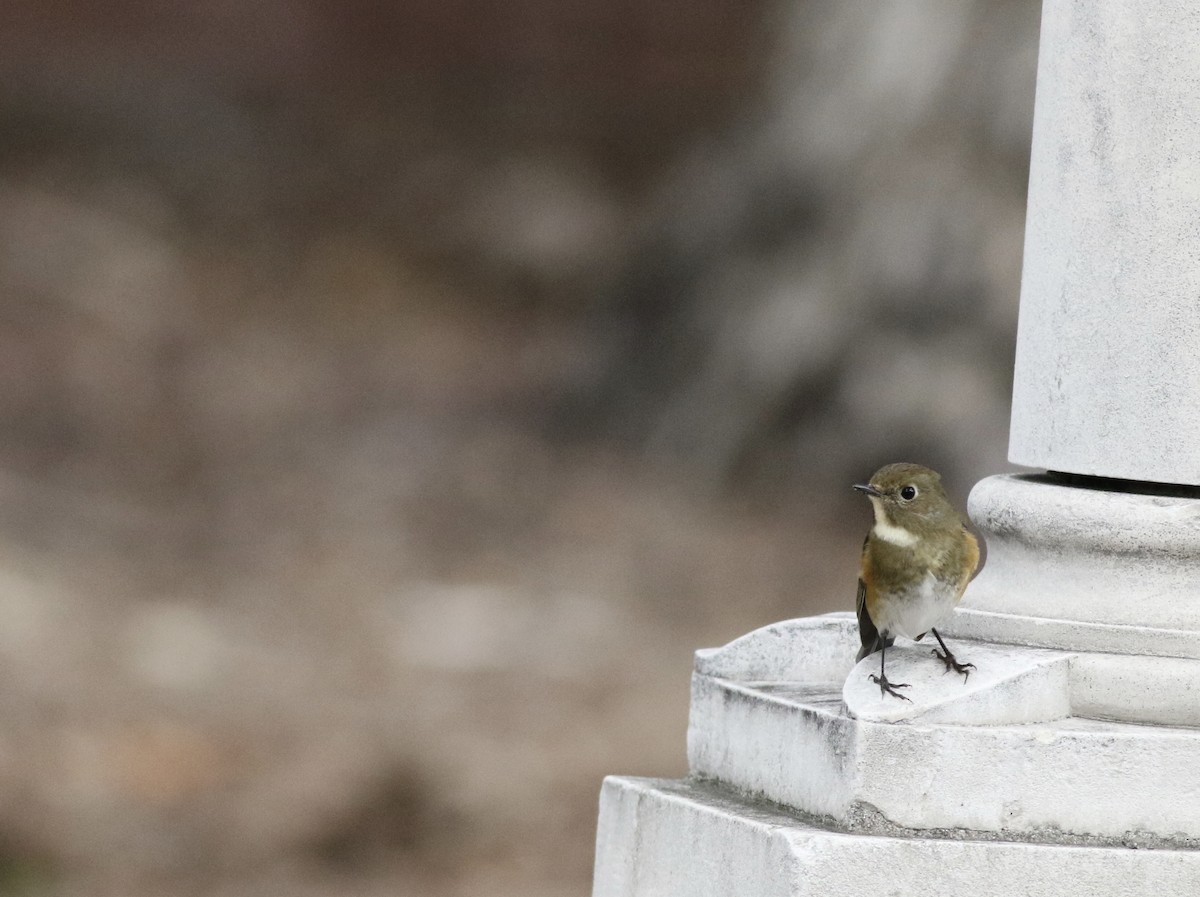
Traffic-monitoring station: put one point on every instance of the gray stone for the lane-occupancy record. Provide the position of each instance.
(1118, 559)
(1107, 372)
(1009, 686)
(689, 839)
(1039, 745)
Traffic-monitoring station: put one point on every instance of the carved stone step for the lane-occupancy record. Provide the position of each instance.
(1009, 753)
(689, 839)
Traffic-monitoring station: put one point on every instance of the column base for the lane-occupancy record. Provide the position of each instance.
(1084, 568)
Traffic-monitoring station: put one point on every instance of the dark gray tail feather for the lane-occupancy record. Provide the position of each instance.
(875, 643)
(872, 641)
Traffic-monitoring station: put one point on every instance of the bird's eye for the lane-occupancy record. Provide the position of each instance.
(908, 493)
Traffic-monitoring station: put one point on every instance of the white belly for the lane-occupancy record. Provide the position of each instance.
(917, 609)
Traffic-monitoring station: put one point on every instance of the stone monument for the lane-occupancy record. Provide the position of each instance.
(1069, 762)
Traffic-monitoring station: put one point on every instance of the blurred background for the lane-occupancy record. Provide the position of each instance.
(393, 396)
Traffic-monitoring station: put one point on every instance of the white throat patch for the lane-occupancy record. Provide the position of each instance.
(889, 532)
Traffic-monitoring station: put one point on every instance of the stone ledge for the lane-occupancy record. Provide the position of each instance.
(688, 839)
(1010, 685)
(816, 655)
(1068, 635)
(1011, 755)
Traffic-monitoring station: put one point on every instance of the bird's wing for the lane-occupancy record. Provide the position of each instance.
(867, 633)
(972, 564)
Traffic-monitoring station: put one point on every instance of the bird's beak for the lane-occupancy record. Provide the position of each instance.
(867, 489)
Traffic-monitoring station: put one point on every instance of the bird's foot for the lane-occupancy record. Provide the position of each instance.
(889, 688)
(952, 663)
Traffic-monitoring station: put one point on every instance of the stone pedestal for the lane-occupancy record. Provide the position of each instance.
(1035, 777)
(1075, 741)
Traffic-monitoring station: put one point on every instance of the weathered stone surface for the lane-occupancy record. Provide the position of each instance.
(1090, 556)
(692, 840)
(1046, 632)
(1008, 686)
(1040, 746)
(1107, 372)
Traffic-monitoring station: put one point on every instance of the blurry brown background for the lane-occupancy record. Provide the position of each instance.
(392, 397)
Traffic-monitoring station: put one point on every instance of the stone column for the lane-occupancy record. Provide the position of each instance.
(1077, 737)
(1108, 352)
(1107, 379)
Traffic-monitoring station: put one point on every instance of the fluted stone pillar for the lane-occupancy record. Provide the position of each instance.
(1076, 739)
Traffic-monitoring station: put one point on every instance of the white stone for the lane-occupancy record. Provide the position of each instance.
(687, 839)
(1161, 691)
(1009, 686)
(1107, 376)
(1126, 561)
(810, 649)
(1045, 632)
(1043, 746)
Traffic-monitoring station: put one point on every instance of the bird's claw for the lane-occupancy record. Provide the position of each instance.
(952, 663)
(889, 688)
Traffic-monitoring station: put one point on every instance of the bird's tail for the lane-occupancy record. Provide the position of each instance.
(876, 643)
(872, 641)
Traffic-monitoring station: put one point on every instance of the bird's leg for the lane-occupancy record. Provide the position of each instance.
(885, 687)
(950, 660)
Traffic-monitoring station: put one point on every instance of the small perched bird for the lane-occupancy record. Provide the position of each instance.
(916, 561)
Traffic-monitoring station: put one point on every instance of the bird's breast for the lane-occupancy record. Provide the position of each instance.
(913, 609)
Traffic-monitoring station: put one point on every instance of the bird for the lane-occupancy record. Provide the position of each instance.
(916, 562)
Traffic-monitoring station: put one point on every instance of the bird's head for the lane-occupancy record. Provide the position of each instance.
(910, 496)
